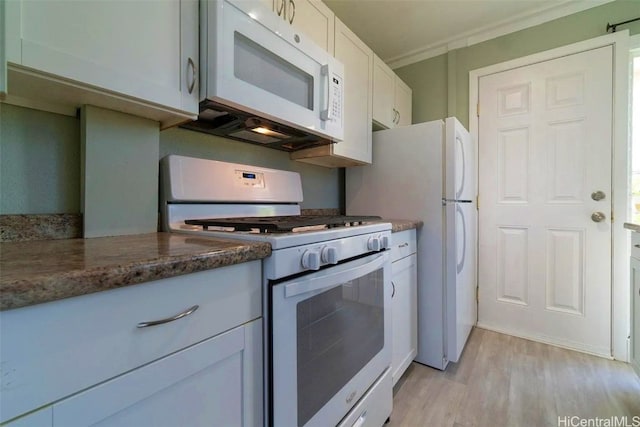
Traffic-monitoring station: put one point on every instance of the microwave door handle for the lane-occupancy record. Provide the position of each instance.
(330, 280)
(325, 115)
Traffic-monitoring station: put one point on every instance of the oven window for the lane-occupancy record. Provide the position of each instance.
(339, 332)
(258, 66)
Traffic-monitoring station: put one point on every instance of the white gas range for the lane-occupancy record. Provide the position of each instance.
(327, 288)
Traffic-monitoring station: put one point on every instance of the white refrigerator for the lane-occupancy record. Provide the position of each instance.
(427, 171)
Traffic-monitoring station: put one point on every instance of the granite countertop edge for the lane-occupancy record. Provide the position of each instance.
(631, 226)
(32, 289)
(41, 288)
(398, 225)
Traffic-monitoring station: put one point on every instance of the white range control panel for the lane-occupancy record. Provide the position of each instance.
(247, 178)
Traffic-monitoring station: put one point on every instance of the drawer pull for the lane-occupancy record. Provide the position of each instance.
(636, 246)
(404, 245)
(168, 319)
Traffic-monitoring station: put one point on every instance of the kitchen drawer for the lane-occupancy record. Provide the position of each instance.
(52, 350)
(403, 244)
(635, 245)
(374, 407)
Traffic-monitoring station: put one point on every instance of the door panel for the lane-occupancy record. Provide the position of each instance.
(461, 155)
(544, 147)
(462, 279)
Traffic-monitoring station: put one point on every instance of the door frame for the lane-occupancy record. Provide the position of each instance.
(620, 310)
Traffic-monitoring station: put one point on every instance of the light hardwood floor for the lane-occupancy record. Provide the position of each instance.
(504, 381)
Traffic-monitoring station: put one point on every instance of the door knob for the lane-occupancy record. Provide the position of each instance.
(597, 217)
(598, 195)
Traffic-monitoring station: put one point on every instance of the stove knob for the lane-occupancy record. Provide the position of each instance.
(329, 255)
(311, 260)
(385, 242)
(373, 244)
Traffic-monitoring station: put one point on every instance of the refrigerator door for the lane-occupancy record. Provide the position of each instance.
(460, 181)
(460, 293)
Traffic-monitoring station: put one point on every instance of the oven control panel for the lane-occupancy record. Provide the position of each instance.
(247, 178)
(314, 256)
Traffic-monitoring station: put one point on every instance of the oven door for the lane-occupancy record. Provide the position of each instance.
(256, 63)
(330, 340)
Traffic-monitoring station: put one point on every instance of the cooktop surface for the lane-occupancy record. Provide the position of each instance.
(282, 224)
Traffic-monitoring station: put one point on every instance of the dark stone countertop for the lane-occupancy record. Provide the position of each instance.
(398, 225)
(631, 226)
(34, 272)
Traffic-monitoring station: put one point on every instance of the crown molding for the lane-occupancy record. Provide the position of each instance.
(507, 26)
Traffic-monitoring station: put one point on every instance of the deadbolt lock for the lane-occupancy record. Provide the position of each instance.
(598, 195)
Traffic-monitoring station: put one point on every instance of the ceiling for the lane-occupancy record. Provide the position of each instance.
(406, 31)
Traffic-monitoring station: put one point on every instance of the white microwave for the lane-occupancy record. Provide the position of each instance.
(263, 82)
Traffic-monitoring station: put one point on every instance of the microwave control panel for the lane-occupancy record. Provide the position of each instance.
(335, 103)
(336, 106)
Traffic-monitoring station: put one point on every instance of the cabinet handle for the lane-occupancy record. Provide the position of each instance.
(169, 319)
(292, 3)
(393, 292)
(279, 11)
(191, 65)
(636, 246)
(398, 122)
(404, 245)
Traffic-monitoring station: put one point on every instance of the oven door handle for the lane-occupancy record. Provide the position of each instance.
(327, 279)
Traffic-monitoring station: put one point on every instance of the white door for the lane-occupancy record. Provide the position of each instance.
(545, 138)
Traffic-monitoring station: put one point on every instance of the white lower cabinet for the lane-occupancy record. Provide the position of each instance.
(635, 310)
(87, 360)
(217, 382)
(404, 308)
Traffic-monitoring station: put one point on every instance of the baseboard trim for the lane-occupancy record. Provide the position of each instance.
(569, 345)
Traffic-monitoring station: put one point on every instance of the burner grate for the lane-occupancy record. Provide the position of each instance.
(282, 224)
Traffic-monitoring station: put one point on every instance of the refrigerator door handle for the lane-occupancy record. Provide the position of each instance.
(460, 265)
(464, 167)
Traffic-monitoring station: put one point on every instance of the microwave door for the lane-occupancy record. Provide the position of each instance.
(259, 71)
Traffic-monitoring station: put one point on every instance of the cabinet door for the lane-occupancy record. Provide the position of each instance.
(404, 321)
(189, 55)
(383, 93)
(314, 19)
(3, 52)
(125, 50)
(358, 69)
(217, 382)
(635, 314)
(402, 102)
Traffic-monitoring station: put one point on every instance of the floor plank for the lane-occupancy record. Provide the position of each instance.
(504, 381)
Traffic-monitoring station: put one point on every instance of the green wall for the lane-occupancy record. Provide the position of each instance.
(441, 84)
(40, 162)
(321, 187)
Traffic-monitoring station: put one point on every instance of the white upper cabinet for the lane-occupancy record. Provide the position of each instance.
(312, 17)
(391, 97)
(355, 149)
(138, 57)
(383, 100)
(402, 101)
